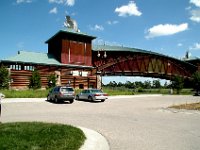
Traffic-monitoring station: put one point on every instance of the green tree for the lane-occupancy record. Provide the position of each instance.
(147, 84)
(156, 84)
(120, 84)
(178, 83)
(4, 78)
(166, 85)
(51, 80)
(129, 85)
(139, 84)
(196, 81)
(35, 80)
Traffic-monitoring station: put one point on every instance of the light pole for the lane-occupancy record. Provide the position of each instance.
(101, 55)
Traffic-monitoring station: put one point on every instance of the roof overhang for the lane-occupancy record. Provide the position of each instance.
(66, 33)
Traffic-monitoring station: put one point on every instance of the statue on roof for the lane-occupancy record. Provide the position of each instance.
(71, 24)
(187, 55)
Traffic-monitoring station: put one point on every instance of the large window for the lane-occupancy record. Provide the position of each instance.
(16, 67)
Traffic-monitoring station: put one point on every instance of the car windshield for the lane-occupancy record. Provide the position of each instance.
(96, 91)
(66, 90)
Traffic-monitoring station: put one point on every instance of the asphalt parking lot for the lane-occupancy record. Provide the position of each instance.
(128, 123)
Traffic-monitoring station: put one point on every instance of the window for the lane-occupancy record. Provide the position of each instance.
(81, 86)
(31, 68)
(15, 67)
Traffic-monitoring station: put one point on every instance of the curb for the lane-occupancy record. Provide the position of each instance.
(132, 96)
(26, 100)
(94, 140)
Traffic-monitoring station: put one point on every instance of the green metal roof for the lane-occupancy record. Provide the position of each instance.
(38, 58)
(120, 48)
(194, 58)
(33, 57)
(72, 32)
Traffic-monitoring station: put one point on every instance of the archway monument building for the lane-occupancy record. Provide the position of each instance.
(73, 59)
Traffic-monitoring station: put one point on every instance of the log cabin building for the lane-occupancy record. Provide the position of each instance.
(69, 58)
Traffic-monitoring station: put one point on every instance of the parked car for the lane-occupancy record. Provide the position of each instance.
(92, 95)
(197, 93)
(61, 93)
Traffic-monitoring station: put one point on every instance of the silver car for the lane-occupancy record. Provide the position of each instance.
(92, 95)
(61, 93)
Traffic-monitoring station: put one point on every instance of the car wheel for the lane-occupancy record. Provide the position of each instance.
(90, 98)
(77, 97)
(71, 101)
(103, 100)
(56, 100)
(48, 98)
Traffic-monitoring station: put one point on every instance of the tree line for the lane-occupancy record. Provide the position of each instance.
(177, 84)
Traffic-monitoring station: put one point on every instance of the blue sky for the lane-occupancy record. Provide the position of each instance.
(169, 27)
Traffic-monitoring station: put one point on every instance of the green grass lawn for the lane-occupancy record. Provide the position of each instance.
(111, 91)
(40, 136)
(25, 93)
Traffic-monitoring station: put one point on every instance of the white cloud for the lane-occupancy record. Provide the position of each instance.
(179, 44)
(196, 46)
(97, 28)
(23, 1)
(100, 41)
(195, 15)
(53, 11)
(166, 29)
(58, 1)
(70, 2)
(195, 2)
(128, 10)
(65, 2)
(112, 22)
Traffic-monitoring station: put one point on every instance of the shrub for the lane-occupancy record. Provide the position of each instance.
(4, 78)
(196, 81)
(51, 80)
(35, 80)
(177, 83)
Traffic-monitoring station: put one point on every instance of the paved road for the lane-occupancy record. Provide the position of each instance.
(129, 123)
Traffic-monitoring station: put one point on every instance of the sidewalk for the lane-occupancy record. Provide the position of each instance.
(94, 141)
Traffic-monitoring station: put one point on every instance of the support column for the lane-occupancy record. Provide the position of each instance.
(99, 81)
(74, 82)
(88, 82)
(57, 73)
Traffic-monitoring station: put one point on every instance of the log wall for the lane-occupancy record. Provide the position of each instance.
(20, 78)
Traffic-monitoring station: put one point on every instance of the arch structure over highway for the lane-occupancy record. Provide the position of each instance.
(125, 61)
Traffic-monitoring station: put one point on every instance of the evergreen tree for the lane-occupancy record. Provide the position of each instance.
(4, 78)
(35, 80)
